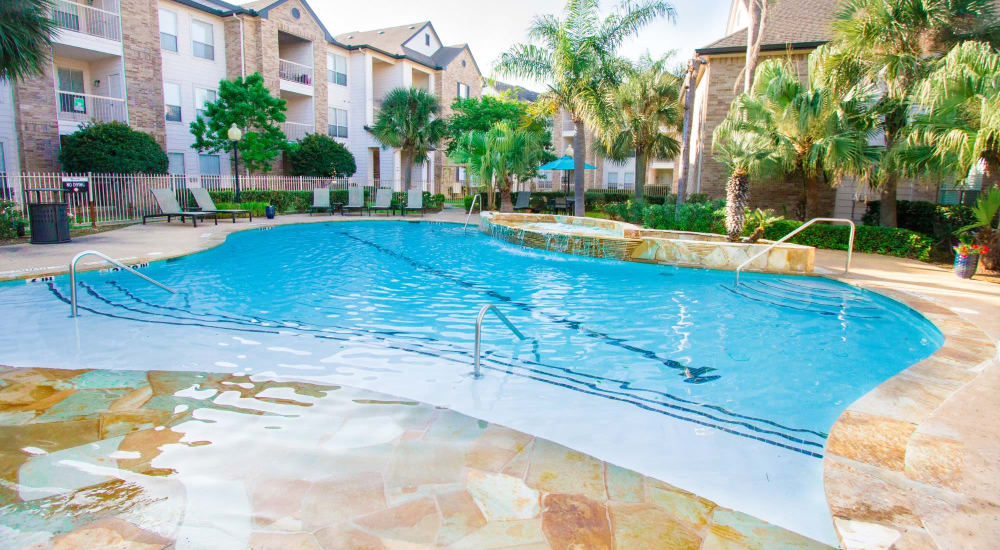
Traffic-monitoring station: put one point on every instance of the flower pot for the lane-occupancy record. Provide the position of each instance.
(269, 211)
(965, 266)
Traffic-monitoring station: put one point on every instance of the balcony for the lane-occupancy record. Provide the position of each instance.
(85, 29)
(295, 131)
(295, 77)
(78, 108)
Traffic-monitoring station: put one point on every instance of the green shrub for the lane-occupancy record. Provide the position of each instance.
(320, 156)
(255, 208)
(938, 221)
(890, 241)
(704, 217)
(10, 219)
(111, 148)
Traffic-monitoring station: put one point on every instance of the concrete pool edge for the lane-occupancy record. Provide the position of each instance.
(888, 463)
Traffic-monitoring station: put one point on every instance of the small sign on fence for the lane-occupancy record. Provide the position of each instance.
(76, 184)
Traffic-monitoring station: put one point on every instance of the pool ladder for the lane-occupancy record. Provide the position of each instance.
(850, 245)
(471, 206)
(476, 373)
(72, 275)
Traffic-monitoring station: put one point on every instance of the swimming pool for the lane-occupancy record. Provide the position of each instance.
(668, 371)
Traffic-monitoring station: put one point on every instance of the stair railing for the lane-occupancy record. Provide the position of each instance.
(850, 245)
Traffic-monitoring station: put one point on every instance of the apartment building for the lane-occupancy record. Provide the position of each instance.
(153, 64)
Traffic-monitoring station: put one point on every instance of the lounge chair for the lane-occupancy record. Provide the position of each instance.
(206, 204)
(523, 201)
(355, 200)
(321, 201)
(169, 208)
(560, 203)
(414, 201)
(383, 201)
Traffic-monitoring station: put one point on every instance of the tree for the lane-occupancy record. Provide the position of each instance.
(961, 127)
(408, 121)
(248, 104)
(26, 31)
(887, 47)
(640, 116)
(318, 155)
(111, 148)
(746, 154)
(504, 154)
(814, 135)
(576, 57)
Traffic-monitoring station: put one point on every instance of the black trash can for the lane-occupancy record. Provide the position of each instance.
(49, 222)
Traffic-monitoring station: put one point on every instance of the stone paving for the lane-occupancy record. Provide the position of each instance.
(157, 460)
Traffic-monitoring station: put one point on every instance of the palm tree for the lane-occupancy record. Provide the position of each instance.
(504, 154)
(813, 133)
(25, 37)
(576, 57)
(746, 154)
(888, 46)
(962, 125)
(640, 116)
(408, 121)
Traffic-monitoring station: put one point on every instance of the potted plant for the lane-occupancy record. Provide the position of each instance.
(967, 258)
(269, 211)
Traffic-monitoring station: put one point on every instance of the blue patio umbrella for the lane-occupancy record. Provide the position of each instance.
(564, 163)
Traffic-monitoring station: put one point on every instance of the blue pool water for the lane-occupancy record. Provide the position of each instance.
(762, 371)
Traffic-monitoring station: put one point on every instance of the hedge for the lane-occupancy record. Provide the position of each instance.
(890, 241)
(292, 202)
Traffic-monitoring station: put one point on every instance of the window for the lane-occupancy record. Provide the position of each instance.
(337, 125)
(427, 40)
(463, 91)
(6, 193)
(71, 98)
(168, 30)
(201, 98)
(612, 180)
(175, 163)
(202, 40)
(629, 180)
(460, 174)
(208, 165)
(172, 100)
(336, 71)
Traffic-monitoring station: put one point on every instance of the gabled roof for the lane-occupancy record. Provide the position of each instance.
(790, 23)
(389, 39)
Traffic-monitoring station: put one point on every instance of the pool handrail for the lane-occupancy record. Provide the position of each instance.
(479, 330)
(72, 275)
(850, 245)
(471, 206)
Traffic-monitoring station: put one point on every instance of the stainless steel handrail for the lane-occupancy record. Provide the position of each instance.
(72, 275)
(479, 330)
(471, 206)
(850, 245)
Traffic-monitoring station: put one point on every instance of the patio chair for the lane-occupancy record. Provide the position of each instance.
(169, 208)
(321, 200)
(383, 201)
(560, 204)
(206, 204)
(355, 201)
(414, 201)
(523, 201)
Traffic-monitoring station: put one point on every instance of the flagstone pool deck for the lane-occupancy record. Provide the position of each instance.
(913, 464)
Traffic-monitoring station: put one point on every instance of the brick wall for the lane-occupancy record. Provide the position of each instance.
(143, 67)
(38, 131)
(446, 89)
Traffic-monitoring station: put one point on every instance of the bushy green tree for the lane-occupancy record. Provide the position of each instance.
(318, 155)
(641, 117)
(575, 55)
(247, 103)
(111, 148)
(26, 31)
(408, 120)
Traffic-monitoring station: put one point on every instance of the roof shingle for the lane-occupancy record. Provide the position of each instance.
(788, 22)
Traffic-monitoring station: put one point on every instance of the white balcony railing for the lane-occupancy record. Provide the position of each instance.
(103, 21)
(295, 72)
(294, 131)
(84, 107)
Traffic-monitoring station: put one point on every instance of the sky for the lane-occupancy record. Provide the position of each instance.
(492, 27)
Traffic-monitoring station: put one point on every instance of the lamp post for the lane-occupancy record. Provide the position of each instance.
(235, 134)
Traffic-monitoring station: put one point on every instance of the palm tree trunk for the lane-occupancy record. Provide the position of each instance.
(506, 205)
(689, 83)
(579, 161)
(754, 29)
(405, 162)
(640, 174)
(812, 197)
(737, 196)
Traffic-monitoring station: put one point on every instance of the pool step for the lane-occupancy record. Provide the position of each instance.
(809, 297)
